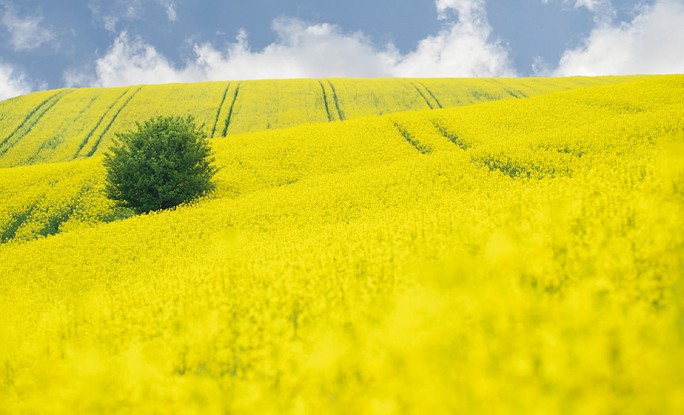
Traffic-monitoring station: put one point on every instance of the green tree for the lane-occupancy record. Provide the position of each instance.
(162, 163)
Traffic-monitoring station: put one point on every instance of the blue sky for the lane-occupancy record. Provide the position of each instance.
(53, 44)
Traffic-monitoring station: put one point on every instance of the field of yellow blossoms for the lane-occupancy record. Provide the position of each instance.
(425, 246)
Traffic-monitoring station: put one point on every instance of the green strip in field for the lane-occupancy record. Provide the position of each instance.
(230, 111)
(325, 101)
(26, 120)
(454, 138)
(99, 139)
(337, 102)
(31, 119)
(509, 89)
(220, 107)
(56, 219)
(59, 136)
(11, 230)
(439, 104)
(422, 148)
(97, 125)
(422, 95)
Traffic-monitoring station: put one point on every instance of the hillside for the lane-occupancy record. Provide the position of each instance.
(511, 256)
(70, 124)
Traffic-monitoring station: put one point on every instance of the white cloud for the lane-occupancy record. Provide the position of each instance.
(26, 33)
(540, 67)
(603, 10)
(117, 12)
(170, 7)
(110, 22)
(650, 43)
(594, 5)
(300, 51)
(131, 61)
(114, 12)
(12, 83)
(465, 8)
(75, 78)
(462, 48)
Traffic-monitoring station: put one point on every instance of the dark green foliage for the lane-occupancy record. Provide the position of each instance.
(422, 148)
(11, 230)
(166, 161)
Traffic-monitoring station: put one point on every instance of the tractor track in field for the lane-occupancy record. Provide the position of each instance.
(116, 114)
(439, 104)
(454, 138)
(97, 125)
(230, 111)
(30, 120)
(422, 95)
(509, 90)
(340, 113)
(422, 148)
(13, 226)
(325, 101)
(220, 107)
(26, 119)
(57, 139)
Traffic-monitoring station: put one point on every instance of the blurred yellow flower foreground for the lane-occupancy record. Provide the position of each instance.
(513, 256)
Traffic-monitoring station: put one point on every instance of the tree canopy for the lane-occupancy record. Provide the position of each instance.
(163, 162)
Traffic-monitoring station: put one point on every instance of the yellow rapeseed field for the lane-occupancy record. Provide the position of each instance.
(511, 256)
(68, 124)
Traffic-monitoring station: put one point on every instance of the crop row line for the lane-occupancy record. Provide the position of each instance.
(425, 97)
(337, 102)
(422, 148)
(325, 101)
(99, 139)
(60, 217)
(58, 137)
(30, 121)
(97, 125)
(230, 111)
(508, 90)
(422, 96)
(220, 107)
(17, 220)
(26, 119)
(454, 138)
(439, 104)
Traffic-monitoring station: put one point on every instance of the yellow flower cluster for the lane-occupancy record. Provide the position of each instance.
(517, 256)
(72, 124)
(46, 199)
